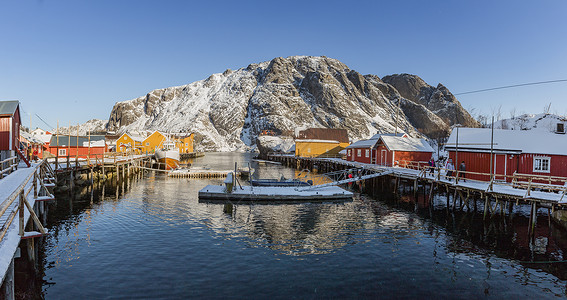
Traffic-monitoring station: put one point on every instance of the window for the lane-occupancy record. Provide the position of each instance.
(186, 144)
(62, 152)
(358, 153)
(367, 153)
(308, 150)
(147, 144)
(541, 164)
(560, 128)
(348, 152)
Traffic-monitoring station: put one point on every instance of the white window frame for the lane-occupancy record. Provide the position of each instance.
(358, 153)
(61, 152)
(542, 164)
(367, 153)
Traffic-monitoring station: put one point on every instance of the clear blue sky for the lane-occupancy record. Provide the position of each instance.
(72, 60)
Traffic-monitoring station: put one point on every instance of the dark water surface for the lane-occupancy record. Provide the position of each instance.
(151, 238)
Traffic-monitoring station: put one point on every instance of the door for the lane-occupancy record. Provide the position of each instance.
(500, 165)
(383, 157)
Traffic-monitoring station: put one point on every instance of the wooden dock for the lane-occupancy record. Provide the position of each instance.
(497, 196)
(200, 173)
(22, 195)
(212, 193)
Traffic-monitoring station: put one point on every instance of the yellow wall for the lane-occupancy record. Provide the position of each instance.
(153, 142)
(185, 145)
(313, 149)
(128, 143)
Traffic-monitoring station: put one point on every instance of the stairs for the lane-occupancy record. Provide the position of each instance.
(23, 157)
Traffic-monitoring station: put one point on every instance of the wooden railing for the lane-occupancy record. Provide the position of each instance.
(38, 177)
(527, 182)
(74, 162)
(8, 166)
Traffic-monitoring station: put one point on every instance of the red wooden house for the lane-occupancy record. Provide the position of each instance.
(365, 150)
(73, 146)
(9, 127)
(399, 151)
(534, 152)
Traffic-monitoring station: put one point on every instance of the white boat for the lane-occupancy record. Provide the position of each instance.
(168, 156)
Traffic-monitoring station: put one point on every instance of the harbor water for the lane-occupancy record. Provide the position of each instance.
(150, 237)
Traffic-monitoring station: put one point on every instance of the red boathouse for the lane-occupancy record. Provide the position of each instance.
(9, 128)
(364, 151)
(399, 151)
(533, 152)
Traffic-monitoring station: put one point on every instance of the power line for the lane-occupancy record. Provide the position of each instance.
(44, 122)
(512, 86)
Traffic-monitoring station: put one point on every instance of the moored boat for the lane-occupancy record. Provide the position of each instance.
(168, 156)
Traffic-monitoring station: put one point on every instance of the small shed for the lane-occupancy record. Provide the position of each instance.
(9, 127)
(534, 152)
(399, 151)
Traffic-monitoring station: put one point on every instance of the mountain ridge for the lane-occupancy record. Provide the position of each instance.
(229, 110)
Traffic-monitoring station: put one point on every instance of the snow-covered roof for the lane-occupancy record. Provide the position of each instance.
(397, 143)
(30, 138)
(318, 141)
(378, 135)
(362, 144)
(526, 141)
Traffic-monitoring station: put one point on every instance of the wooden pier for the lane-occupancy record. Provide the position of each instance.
(496, 196)
(22, 195)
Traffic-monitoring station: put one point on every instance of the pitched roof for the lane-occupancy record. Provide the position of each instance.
(83, 141)
(397, 143)
(378, 135)
(8, 107)
(340, 135)
(363, 144)
(526, 141)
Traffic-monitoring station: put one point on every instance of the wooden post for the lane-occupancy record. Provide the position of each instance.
(35, 185)
(486, 206)
(21, 212)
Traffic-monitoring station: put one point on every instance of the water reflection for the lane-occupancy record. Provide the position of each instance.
(140, 235)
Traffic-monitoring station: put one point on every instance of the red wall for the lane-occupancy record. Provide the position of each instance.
(384, 156)
(403, 156)
(362, 158)
(507, 164)
(83, 151)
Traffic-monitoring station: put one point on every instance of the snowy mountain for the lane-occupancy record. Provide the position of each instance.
(228, 111)
(542, 122)
(94, 126)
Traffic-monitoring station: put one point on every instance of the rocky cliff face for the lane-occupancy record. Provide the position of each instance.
(438, 99)
(228, 111)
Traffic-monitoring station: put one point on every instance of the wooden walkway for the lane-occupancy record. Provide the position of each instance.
(22, 196)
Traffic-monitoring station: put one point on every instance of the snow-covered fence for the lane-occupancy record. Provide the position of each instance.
(8, 165)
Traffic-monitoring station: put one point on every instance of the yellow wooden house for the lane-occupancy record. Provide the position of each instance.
(129, 143)
(321, 142)
(153, 142)
(317, 148)
(185, 144)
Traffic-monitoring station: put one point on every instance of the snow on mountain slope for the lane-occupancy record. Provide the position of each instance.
(228, 111)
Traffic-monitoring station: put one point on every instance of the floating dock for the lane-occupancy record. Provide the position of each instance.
(274, 194)
(199, 173)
